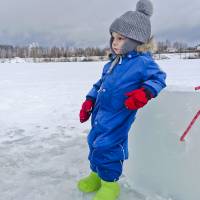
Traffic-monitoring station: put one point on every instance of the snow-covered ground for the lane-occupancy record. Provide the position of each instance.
(43, 149)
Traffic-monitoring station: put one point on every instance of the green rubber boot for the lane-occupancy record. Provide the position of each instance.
(90, 183)
(108, 191)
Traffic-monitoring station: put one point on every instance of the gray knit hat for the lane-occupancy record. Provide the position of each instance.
(135, 25)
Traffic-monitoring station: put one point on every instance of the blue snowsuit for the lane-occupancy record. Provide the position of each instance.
(111, 120)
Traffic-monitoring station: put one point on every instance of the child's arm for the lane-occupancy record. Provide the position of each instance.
(88, 104)
(92, 94)
(154, 82)
(154, 78)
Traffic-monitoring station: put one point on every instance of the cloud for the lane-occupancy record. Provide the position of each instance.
(84, 23)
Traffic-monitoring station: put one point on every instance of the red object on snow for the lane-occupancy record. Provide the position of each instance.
(190, 126)
(197, 88)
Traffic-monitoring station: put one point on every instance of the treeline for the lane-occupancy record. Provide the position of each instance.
(166, 46)
(34, 51)
(181, 48)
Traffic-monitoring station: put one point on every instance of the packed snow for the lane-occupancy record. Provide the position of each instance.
(43, 150)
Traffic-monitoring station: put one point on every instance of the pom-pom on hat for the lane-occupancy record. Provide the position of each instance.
(135, 25)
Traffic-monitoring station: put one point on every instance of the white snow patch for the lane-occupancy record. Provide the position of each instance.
(43, 150)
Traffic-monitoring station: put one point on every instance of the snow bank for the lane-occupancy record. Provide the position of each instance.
(159, 163)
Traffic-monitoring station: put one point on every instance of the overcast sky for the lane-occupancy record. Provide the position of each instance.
(86, 22)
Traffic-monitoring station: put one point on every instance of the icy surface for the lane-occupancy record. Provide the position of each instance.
(159, 162)
(43, 149)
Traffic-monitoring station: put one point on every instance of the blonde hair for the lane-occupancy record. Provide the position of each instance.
(150, 45)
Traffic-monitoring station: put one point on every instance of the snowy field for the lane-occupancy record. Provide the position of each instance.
(43, 149)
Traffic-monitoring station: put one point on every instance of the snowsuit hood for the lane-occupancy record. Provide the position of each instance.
(149, 46)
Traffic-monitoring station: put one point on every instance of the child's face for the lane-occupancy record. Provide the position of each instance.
(118, 42)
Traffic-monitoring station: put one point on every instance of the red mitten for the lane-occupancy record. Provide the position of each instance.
(137, 98)
(86, 110)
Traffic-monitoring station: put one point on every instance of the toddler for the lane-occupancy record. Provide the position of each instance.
(128, 81)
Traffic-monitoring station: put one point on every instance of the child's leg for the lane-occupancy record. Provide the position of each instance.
(108, 191)
(109, 169)
(109, 174)
(90, 183)
(107, 163)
